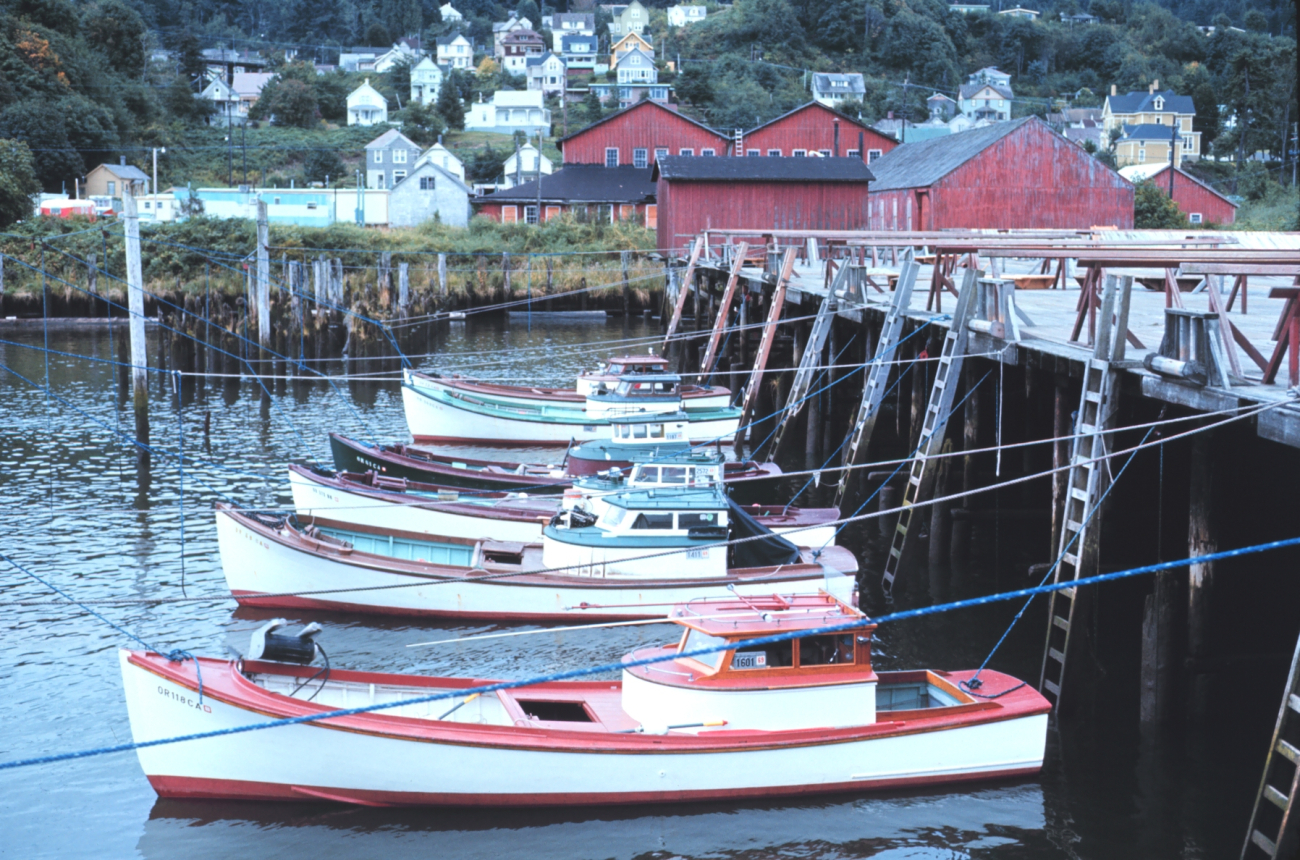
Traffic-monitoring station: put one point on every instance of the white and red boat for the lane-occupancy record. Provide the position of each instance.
(800, 717)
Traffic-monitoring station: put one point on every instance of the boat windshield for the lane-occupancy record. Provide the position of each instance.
(674, 475)
(696, 639)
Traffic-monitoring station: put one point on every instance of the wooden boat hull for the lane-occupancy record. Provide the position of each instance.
(694, 397)
(434, 415)
(260, 560)
(409, 757)
(503, 517)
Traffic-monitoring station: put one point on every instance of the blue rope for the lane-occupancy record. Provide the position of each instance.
(664, 658)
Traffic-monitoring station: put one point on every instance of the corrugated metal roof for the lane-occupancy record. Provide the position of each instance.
(921, 164)
(584, 183)
(761, 168)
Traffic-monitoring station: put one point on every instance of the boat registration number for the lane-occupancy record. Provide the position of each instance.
(589, 428)
(697, 553)
(749, 660)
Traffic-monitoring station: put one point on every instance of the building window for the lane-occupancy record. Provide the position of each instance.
(825, 153)
(660, 152)
(611, 156)
(398, 176)
(1195, 218)
(275, 200)
(873, 154)
(1142, 155)
(379, 156)
(626, 211)
(686, 151)
(854, 153)
(774, 153)
(311, 206)
(1187, 143)
(552, 212)
(146, 203)
(112, 189)
(639, 158)
(651, 216)
(799, 153)
(509, 214)
(530, 214)
(707, 152)
(399, 156)
(753, 152)
(379, 179)
(427, 183)
(605, 213)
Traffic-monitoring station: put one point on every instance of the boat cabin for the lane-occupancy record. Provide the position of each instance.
(642, 430)
(645, 392)
(623, 365)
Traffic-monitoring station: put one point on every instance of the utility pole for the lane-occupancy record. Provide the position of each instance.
(155, 178)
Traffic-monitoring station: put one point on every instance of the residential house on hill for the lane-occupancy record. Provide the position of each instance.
(627, 43)
(511, 111)
(587, 192)
(986, 96)
(1199, 202)
(1008, 175)
(968, 8)
(546, 73)
(501, 29)
(680, 16)
(394, 55)
(578, 52)
(443, 157)
(1078, 18)
(523, 165)
(248, 87)
(831, 89)
(564, 24)
(941, 107)
(1140, 115)
(626, 95)
(367, 106)
(1020, 12)
(449, 14)
(226, 102)
(455, 51)
(631, 18)
(361, 58)
(636, 67)
(113, 180)
(428, 192)
(518, 47)
(389, 159)
(426, 81)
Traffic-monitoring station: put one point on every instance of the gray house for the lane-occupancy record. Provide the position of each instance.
(428, 191)
(390, 159)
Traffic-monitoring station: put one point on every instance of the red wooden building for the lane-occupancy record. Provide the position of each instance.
(639, 135)
(1009, 175)
(815, 128)
(588, 192)
(696, 194)
(1198, 201)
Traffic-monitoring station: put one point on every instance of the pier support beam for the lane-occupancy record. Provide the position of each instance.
(135, 303)
(1201, 540)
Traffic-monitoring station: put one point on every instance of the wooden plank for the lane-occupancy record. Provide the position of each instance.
(685, 288)
(1286, 269)
(765, 345)
(1225, 325)
(720, 324)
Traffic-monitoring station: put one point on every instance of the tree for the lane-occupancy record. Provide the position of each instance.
(1154, 210)
(422, 123)
(18, 182)
(401, 17)
(295, 105)
(377, 36)
(399, 77)
(43, 129)
(449, 105)
(323, 165)
(118, 31)
(528, 9)
(695, 85)
(1256, 21)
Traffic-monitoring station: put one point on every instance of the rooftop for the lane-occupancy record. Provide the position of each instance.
(702, 169)
(1144, 102)
(584, 183)
(923, 163)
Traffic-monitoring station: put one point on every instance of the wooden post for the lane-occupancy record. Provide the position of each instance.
(627, 288)
(941, 516)
(505, 275)
(827, 405)
(1201, 540)
(682, 289)
(728, 295)
(135, 302)
(1060, 456)
(765, 345)
(92, 273)
(403, 285)
(262, 285)
(442, 274)
(970, 430)
(385, 283)
(550, 274)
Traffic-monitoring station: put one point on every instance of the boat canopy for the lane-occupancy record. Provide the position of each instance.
(767, 551)
(619, 365)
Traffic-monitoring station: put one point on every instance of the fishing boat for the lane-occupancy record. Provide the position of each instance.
(370, 499)
(436, 413)
(646, 551)
(809, 715)
(605, 377)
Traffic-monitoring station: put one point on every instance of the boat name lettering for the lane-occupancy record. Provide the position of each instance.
(254, 538)
(184, 700)
(697, 553)
(749, 660)
(366, 461)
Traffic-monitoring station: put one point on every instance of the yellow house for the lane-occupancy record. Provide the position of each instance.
(1147, 122)
(626, 44)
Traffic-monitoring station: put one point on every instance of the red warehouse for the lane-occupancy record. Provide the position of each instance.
(1007, 176)
(815, 128)
(638, 135)
(1198, 201)
(698, 194)
(587, 192)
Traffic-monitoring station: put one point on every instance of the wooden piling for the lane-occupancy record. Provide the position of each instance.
(1201, 540)
(262, 285)
(135, 303)
(1060, 457)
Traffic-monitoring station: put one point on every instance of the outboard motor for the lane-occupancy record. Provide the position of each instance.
(277, 647)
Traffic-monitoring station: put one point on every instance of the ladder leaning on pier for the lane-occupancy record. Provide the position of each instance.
(1086, 481)
(873, 390)
(920, 480)
(811, 358)
(1283, 748)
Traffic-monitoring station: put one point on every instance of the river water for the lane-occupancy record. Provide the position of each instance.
(78, 511)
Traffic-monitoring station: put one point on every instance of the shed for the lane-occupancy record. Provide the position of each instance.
(1198, 201)
(815, 128)
(588, 192)
(696, 194)
(428, 192)
(641, 134)
(110, 180)
(1009, 175)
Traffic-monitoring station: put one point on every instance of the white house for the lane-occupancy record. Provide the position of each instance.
(1020, 12)
(455, 51)
(570, 24)
(449, 13)
(831, 89)
(426, 81)
(226, 100)
(428, 192)
(987, 95)
(522, 166)
(501, 29)
(443, 157)
(579, 52)
(680, 16)
(366, 106)
(636, 67)
(385, 61)
(511, 111)
(546, 73)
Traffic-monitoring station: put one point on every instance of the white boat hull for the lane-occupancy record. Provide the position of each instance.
(463, 765)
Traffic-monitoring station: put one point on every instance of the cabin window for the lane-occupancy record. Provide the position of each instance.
(690, 521)
(773, 656)
(753, 152)
(530, 214)
(613, 515)
(653, 521)
(638, 431)
(831, 650)
(854, 153)
(656, 431)
(615, 369)
(696, 639)
(707, 152)
(648, 473)
(674, 475)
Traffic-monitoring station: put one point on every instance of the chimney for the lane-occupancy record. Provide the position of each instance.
(122, 160)
(889, 115)
(1114, 90)
(1155, 85)
(836, 150)
(862, 152)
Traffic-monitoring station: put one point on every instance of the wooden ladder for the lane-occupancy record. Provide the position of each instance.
(1280, 752)
(1086, 481)
(920, 481)
(811, 358)
(873, 391)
